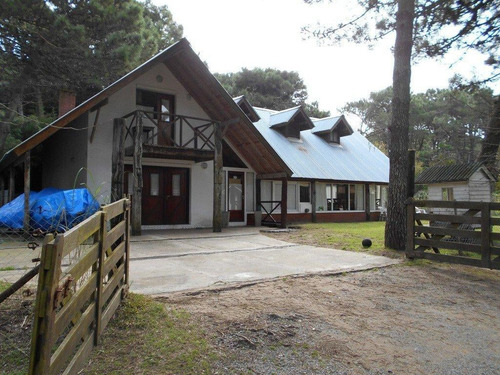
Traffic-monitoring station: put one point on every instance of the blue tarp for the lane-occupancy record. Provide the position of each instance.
(50, 209)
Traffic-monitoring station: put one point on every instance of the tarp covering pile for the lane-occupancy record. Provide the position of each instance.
(50, 210)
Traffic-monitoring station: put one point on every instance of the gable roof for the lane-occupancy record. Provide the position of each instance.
(452, 173)
(329, 124)
(311, 157)
(246, 107)
(193, 74)
(279, 119)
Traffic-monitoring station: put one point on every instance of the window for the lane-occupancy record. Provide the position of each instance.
(155, 185)
(447, 194)
(305, 194)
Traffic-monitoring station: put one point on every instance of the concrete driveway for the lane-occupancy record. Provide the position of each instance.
(171, 261)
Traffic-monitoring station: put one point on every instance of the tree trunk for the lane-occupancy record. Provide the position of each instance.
(395, 228)
(491, 141)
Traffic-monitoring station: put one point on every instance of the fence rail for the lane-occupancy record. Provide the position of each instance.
(76, 299)
(464, 227)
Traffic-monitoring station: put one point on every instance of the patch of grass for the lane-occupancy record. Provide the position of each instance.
(9, 268)
(344, 236)
(147, 338)
(4, 285)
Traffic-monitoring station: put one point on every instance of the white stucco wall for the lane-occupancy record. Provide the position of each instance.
(120, 104)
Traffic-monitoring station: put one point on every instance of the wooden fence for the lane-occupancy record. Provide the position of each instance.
(463, 227)
(76, 299)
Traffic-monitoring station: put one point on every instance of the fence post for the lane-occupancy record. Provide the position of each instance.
(100, 276)
(127, 240)
(42, 338)
(485, 235)
(410, 228)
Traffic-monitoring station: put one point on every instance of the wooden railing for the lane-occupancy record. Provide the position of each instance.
(190, 132)
(267, 215)
(76, 299)
(463, 227)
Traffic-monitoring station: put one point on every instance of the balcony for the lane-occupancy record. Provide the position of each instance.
(168, 136)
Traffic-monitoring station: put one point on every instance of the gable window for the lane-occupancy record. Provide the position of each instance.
(335, 137)
(305, 194)
(447, 194)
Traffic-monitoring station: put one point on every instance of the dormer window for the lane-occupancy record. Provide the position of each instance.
(331, 129)
(291, 122)
(246, 107)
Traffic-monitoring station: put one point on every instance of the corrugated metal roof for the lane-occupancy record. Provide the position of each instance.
(311, 157)
(448, 173)
(282, 117)
(325, 124)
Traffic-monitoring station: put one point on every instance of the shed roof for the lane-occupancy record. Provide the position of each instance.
(355, 159)
(451, 173)
(193, 74)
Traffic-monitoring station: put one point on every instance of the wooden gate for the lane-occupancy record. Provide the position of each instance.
(465, 227)
(83, 277)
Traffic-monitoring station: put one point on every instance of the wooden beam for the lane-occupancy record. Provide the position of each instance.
(367, 201)
(94, 128)
(137, 171)
(218, 178)
(272, 176)
(12, 183)
(284, 202)
(313, 201)
(117, 157)
(27, 186)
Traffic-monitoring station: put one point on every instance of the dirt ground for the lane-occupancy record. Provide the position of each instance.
(428, 319)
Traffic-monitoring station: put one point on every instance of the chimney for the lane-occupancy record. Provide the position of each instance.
(67, 101)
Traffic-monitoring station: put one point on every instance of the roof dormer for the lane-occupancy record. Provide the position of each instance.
(246, 107)
(331, 129)
(291, 122)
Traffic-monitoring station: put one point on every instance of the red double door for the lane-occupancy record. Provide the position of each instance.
(165, 196)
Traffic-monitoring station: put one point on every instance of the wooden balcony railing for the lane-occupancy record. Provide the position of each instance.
(164, 129)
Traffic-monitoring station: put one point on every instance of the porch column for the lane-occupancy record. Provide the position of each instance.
(367, 201)
(313, 201)
(137, 194)
(218, 178)
(284, 202)
(11, 183)
(27, 186)
(117, 157)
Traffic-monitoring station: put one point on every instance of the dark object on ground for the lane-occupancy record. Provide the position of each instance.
(366, 243)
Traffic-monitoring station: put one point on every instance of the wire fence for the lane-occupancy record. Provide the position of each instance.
(21, 242)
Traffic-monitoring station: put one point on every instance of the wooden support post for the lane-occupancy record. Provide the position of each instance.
(117, 157)
(411, 173)
(27, 186)
(258, 194)
(410, 228)
(313, 202)
(137, 193)
(485, 235)
(367, 202)
(218, 178)
(284, 202)
(12, 183)
(2, 190)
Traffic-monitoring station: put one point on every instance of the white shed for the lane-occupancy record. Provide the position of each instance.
(461, 182)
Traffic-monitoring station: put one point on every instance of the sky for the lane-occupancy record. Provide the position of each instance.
(233, 34)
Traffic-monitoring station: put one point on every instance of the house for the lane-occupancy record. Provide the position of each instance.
(461, 182)
(169, 135)
(337, 174)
